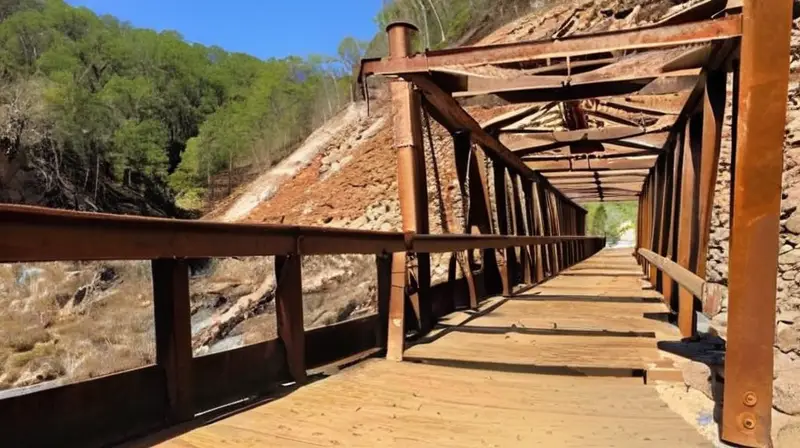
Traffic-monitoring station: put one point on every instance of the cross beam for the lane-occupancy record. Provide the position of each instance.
(598, 43)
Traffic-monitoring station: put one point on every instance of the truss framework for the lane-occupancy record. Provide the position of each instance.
(631, 115)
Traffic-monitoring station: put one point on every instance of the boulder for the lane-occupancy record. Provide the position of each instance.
(789, 339)
(698, 376)
(789, 435)
(793, 224)
(786, 392)
(792, 257)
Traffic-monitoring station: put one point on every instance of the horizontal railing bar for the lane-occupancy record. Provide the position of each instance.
(40, 234)
(684, 277)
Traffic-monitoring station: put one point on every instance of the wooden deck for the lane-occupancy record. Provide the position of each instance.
(560, 365)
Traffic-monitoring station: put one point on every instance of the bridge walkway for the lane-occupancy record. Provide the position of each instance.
(567, 363)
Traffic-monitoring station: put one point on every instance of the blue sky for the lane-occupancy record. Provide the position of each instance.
(262, 28)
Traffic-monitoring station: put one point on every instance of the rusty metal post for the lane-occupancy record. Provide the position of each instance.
(542, 253)
(688, 220)
(462, 150)
(407, 124)
(503, 255)
(755, 221)
(671, 288)
(289, 312)
(713, 117)
(519, 217)
(655, 228)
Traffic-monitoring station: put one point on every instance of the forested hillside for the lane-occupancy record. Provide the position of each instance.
(98, 115)
(444, 23)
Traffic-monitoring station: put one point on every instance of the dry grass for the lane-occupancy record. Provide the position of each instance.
(45, 334)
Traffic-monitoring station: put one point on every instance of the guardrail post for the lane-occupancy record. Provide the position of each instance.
(501, 202)
(462, 146)
(411, 180)
(397, 297)
(174, 334)
(755, 221)
(521, 229)
(289, 311)
(383, 264)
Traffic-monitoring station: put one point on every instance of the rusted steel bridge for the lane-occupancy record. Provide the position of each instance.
(547, 338)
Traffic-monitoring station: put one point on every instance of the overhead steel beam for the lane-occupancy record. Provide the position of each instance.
(499, 122)
(637, 86)
(621, 199)
(554, 175)
(592, 156)
(640, 162)
(601, 84)
(598, 43)
(559, 182)
(533, 143)
(452, 116)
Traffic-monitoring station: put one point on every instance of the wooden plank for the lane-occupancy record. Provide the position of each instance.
(379, 403)
(174, 334)
(333, 343)
(99, 412)
(226, 377)
(289, 312)
(570, 46)
(755, 221)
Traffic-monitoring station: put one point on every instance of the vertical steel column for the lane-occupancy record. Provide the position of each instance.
(713, 116)
(542, 250)
(687, 230)
(755, 221)
(411, 170)
(521, 230)
(463, 160)
(535, 265)
(503, 255)
(671, 288)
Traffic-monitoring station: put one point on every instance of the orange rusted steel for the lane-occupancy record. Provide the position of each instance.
(648, 37)
(688, 220)
(594, 164)
(755, 221)
(503, 255)
(713, 116)
(411, 180)
(452, 116)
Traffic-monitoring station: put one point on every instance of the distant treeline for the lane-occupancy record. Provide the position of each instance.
(95, 104)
